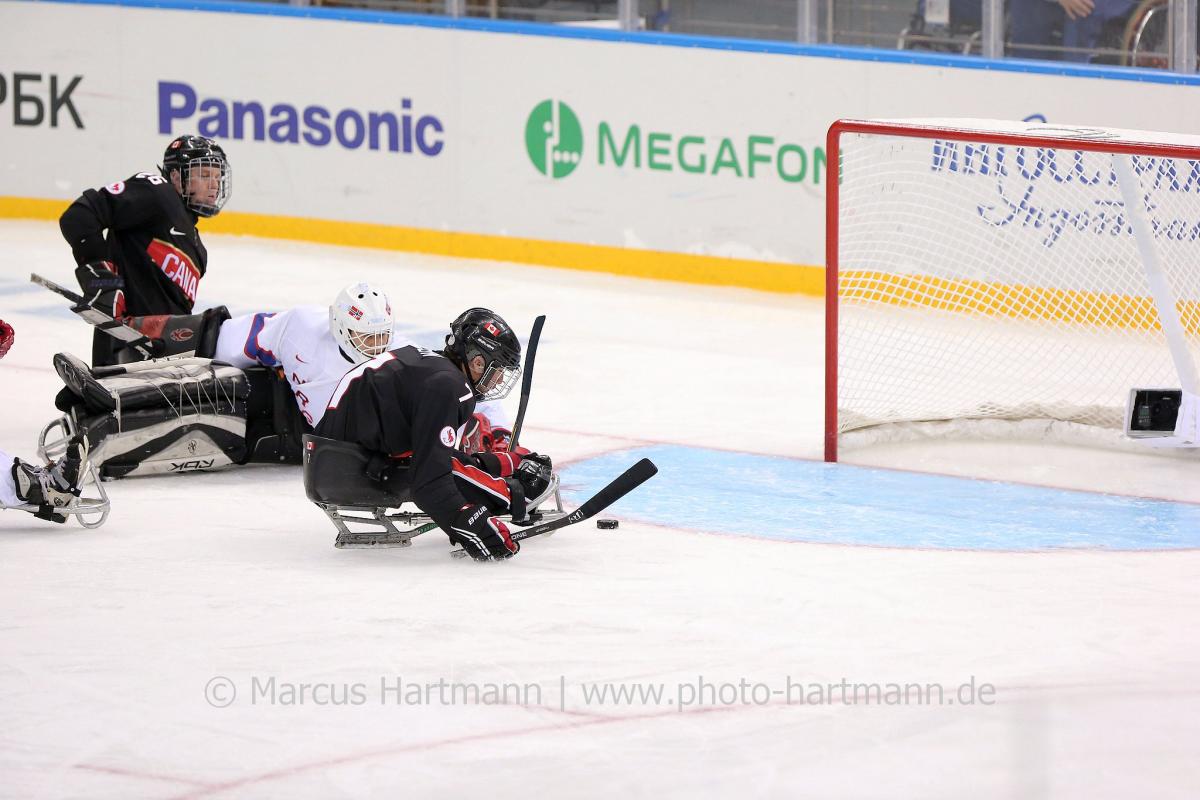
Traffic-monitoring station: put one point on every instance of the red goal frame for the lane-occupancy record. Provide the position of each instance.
(1074, 138)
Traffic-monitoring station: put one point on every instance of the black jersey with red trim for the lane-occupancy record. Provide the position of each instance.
(409, 400)
(151, 239)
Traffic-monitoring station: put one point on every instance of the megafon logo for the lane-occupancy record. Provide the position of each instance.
(554, 138)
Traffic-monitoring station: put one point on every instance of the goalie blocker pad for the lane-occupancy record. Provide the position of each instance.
(180, 334)
(180, 416)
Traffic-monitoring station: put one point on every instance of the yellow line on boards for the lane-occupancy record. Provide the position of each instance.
(681, 267)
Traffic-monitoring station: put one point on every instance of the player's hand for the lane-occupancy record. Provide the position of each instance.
(534, 474)
(7, 334)
(483, 537)
(103, 289)
(1077, 9)
(502, 442)
(500, 439)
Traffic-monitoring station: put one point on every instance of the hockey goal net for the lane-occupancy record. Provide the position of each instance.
(988, 270)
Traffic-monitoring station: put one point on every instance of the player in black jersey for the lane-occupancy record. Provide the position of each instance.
(152, 259)
(418, 405)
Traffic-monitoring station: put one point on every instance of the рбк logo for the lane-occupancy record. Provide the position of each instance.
(554, 138)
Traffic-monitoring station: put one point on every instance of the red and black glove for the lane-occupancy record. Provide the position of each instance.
(103, 288)
(6, 337)
(502, 441)
(483, 537)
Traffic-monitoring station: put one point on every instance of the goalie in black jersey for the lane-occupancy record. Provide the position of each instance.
(415, 407)
(151, 260)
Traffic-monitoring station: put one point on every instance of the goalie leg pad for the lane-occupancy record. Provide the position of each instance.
(185, 385)
(154, 441)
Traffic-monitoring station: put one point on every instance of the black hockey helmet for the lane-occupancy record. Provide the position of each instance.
(187, 153)
(481, 332)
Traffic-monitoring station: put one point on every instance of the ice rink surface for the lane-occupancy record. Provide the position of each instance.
(209, 641)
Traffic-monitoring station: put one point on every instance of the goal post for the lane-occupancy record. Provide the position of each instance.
(1006, 271)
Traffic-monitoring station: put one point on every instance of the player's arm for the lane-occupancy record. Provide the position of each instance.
(441, 409)
(250, 340)
(118, 206)
(121, 205)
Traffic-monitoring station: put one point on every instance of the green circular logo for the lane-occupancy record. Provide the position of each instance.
(554, 138)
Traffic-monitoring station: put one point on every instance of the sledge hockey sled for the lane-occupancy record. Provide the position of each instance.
(368, 511)
(92, 506)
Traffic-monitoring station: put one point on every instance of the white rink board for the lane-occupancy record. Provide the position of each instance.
(482, 87)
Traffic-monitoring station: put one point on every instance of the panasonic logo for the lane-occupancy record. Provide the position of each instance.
(402, 131)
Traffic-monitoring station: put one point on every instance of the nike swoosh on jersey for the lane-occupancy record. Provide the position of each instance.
(177, 233)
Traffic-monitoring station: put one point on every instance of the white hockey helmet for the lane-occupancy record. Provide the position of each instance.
(360, 320)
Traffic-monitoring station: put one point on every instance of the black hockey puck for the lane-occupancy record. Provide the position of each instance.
(606, 524)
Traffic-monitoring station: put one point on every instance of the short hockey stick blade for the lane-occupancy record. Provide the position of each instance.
(622, 485)
(99, 319)
(527, 378)
(77, 299)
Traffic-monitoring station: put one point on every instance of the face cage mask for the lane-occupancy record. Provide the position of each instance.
(224, 188)
(505, 378)
(359, 339)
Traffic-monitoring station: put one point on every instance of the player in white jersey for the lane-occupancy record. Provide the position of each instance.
(48, 492)
(314, 346)
(267, 382)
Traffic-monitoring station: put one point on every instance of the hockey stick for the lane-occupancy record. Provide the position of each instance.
(98, 319)
(620, 486)
(527, 379)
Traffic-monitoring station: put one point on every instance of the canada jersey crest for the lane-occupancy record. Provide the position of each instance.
(176, 265)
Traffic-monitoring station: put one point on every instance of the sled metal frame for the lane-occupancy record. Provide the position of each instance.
(385, 527)
(52, 445)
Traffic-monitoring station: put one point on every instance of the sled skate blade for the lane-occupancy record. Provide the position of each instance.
(381, 529)
(367, 541)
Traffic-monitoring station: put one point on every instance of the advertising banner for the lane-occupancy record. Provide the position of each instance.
(688, 163)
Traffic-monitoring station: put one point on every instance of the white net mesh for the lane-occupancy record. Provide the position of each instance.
(999, 281)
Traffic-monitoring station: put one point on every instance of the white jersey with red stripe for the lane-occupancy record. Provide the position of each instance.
(298, 342)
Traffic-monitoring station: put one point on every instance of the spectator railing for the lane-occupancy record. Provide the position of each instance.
(1154, 34)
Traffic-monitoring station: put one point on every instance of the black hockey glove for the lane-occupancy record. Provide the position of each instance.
(534, 474)
(103, 289)
(483, 537)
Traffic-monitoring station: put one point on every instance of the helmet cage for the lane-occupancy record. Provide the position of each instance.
(369, 343)
(188, 155)
(497, 381)
(361, 321)
(481, 333)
